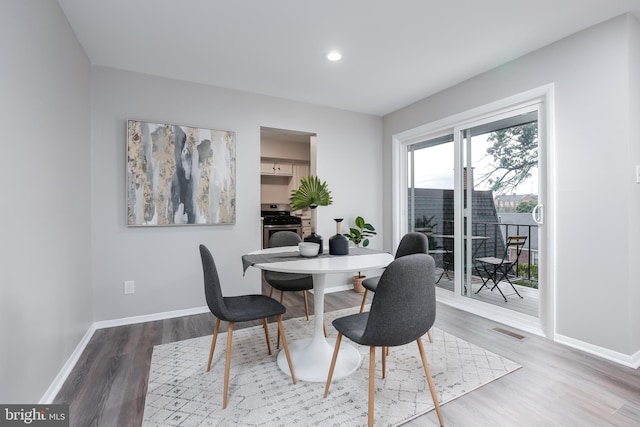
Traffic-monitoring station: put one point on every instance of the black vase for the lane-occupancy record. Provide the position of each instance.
(315, 238)
(338, 244)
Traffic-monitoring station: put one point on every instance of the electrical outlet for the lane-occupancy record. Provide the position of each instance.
(129, 287)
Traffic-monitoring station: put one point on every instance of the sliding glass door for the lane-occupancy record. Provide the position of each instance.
(472, 189)
(430, 200)
(499, 193)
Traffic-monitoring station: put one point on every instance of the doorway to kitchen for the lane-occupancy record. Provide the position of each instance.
(285, 157)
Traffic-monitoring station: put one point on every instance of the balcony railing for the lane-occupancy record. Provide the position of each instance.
(527, 263)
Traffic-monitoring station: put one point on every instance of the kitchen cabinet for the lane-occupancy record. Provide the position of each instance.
(276, 167)
(300, 170)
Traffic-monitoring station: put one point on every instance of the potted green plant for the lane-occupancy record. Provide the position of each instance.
(360, 233)
(310, 194)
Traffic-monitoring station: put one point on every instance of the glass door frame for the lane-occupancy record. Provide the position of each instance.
(540, 98)
(463, 140)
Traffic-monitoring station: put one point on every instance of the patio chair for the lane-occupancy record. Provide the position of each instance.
(402, 311)
(447, 261)
(498, 269)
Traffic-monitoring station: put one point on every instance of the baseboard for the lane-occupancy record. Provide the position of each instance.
(337, 288)
(632, 361)
(150, 317)
(59, 380)
(62, 376)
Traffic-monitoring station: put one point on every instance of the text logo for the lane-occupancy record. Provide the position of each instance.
(35, 415)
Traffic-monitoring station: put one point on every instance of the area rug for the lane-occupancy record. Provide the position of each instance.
(180, 391)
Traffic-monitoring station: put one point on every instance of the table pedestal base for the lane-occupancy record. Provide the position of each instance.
(311, 359)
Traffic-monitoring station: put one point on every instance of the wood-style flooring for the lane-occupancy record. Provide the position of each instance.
(557, 386)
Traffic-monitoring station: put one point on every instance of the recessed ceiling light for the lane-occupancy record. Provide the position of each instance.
(334, 56)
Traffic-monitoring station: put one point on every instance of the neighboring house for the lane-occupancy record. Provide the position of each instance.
(509, 202)
(435, 207)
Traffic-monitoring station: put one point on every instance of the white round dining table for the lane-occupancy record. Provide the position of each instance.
(311, 357)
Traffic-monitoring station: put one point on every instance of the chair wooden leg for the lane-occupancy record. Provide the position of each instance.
(213, 343)
(429, 336)
(271, 293)
(364, 300)
(227, 365)
(432, 388)
(306, 304)
(281, 302)
(324, 328)
(266, 334)
(333, 363)
(286, 348)
(384, 361)
(372, 380)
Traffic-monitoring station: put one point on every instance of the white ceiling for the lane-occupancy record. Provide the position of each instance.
(394, 52)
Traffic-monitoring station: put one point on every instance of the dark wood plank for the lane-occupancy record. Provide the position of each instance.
(557, 386)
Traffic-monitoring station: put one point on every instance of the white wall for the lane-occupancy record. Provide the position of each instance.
(633, 188)
(596, 145)
(45, 258)
(165, 262)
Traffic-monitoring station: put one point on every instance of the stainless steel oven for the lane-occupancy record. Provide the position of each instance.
(277, 217)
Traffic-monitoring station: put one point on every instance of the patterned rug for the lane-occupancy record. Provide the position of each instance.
(182, 393)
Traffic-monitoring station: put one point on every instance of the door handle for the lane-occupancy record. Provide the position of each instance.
(537, 214)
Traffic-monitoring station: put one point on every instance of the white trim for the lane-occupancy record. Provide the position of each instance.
(59, 380)
(541, 98)
(150, 317)
(398, 174)
(548, 311)
(335, 288)
(530, 324)
(62, 376)
(630, 360)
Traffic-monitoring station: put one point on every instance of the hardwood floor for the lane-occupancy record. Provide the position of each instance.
(557, 386)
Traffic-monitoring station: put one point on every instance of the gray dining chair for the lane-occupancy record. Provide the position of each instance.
(237, 309)
(288, 282)
(403, 310)
(411, 243)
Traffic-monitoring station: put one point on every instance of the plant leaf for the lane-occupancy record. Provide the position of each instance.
(311, 192)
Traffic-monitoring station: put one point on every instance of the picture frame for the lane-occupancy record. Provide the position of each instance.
(179, 175)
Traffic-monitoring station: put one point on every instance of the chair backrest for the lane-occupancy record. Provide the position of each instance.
(514, 242)
(413, 243)
(212, 289)
(284, 238)
(404, 304)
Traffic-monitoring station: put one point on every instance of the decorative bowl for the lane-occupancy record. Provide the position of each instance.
(308, 249)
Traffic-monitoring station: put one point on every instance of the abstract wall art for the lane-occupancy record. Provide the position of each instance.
(180, 175)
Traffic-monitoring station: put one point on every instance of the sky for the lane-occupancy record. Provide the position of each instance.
(434, 167)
